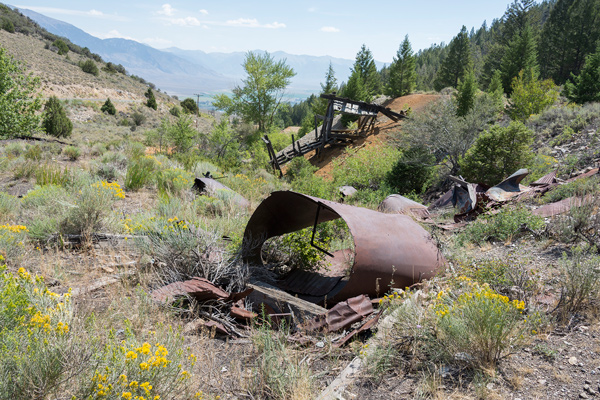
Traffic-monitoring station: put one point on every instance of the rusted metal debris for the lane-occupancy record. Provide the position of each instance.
(342, 315)
(562, 206)
(397, 204)
(390, 250)
(211, 187)
(199, 288)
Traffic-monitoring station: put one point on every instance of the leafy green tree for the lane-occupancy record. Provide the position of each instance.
(520, 56)
(189, 106)
(586, 86)
(457, 63)
(151, 102)
(355, 89)
(257, 101)
(19, 98)
(465, 98)
(62, 47)
(403, 75)
(55, 122)
(181, 133)
(365, 66)
(497, 153)
(8, 25)
(412, 171)
(530, 95)
(108, 107)
(89, 67)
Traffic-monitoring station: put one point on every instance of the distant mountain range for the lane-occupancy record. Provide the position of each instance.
(186, 72)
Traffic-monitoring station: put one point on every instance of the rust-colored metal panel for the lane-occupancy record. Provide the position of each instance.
(548, 179)
(199, 288)
(391, 250)
(509, 187)
(562, 206)
(342, 314)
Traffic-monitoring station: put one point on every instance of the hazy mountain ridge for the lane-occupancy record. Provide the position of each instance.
(185, 72)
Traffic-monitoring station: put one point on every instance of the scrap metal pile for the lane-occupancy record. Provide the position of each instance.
(391, 250)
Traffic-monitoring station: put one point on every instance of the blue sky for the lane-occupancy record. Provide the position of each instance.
(297, 27)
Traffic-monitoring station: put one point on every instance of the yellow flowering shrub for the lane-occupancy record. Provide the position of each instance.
(11, 240)
(113, 188)
(478, 325)
(173, 181)
(133, 370)
(35, 326)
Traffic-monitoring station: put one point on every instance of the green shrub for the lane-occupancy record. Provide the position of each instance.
(71, 152)
(189, 106)
(8, 25)
(175, 111)
(294, 249)
(107, 172)
(108, 107)
(138, 118)
(55, 120)
(12, 239)
(36, 337)
(365, 168)
(115, 157)
(24, 169)
(48, 174)
(579, 187)
(139, 173)
(88, 66)
(62, 47)
(33, 153)
(530, 96)
(89, 213)
(580, 282)
(14, 149)
(505, 225)
(479, 326)
(497, 153)
(301, 174)
(9, 206)
(412, 171)
(173, 181)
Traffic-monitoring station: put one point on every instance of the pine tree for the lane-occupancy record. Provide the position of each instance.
(457, 62)
(465, 98)
(151, 99)
(495, 89)
(55, 120)
(355, 89)
(367, 70)
(520, 56)
(330, 86)
(108, 107)
(403, 75)
(586, 86)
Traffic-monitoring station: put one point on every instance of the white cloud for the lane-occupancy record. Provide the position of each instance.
(167, 10)
(187, 21)
(115, 34)
(253, 23)
(312, 9)
(96, 13)
(329, 29)
(203, 12)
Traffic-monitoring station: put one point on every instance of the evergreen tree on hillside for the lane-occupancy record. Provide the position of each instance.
(520, 56)
(151, 99)
(55, 121)
(403, 75)
(108, 107)
(465, 98)
(495, 90)
(354, 88)
(570, 34)
(365, 66)
(585, 87)
(457, 62)
(319, 106)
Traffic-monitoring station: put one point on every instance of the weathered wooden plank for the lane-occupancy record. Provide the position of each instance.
(280, 301)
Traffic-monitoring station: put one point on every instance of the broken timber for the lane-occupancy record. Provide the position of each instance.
(327, 134)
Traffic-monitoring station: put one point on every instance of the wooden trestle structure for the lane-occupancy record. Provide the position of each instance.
(367, 112)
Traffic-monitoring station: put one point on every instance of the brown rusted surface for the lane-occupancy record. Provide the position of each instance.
(199, 288)
(241, 313)
(548, 179)
(365, 327)
(562, 206)
(389, 249)
(212, 186)
(591, 172)
(343, 314)
(397, 204)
